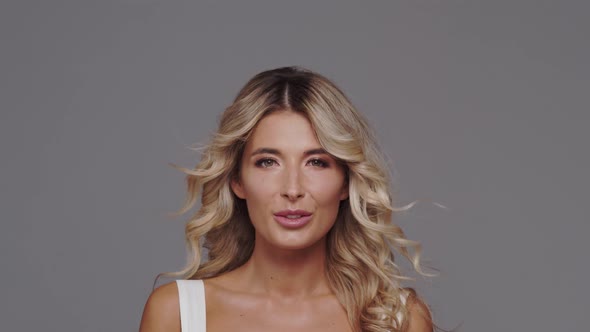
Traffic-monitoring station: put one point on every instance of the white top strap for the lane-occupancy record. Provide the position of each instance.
(191, 295)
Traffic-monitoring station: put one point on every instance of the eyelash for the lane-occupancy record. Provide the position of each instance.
(261, 162)
(264, 161)
(322, 163)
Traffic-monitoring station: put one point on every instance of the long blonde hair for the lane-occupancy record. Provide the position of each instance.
(360, 262)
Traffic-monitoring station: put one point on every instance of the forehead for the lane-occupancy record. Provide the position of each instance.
(286, 129)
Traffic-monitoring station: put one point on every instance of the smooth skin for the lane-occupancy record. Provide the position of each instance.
(283, 286)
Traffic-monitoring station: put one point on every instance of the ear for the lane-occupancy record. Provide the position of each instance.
(344, 193)
(237, 188)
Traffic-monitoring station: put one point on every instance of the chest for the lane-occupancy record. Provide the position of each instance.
(320, 315)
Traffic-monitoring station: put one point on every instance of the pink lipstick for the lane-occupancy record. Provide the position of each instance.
(292, 218)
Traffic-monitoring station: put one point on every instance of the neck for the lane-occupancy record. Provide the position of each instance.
(287, 273)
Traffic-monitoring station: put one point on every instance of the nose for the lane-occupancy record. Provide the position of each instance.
(291, 188)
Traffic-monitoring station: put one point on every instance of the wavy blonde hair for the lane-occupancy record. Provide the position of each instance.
(360, 263)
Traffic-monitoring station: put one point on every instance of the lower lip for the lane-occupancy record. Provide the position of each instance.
(292, 223)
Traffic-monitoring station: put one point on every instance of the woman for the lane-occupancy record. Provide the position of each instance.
(296, 216)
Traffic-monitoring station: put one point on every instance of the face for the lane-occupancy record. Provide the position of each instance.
(292, 187)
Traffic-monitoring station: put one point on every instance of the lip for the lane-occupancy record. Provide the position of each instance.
(282, 218)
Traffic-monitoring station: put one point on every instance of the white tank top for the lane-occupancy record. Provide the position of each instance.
(193, 316)
(191, 295)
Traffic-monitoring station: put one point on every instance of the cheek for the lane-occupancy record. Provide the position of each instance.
(259, 188)
(326, 189)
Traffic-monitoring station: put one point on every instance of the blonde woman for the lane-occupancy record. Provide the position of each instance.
(296, 214)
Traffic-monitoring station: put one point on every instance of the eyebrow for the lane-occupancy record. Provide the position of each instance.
(278, 153)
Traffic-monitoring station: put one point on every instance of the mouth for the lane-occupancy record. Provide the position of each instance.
(292, 219)
(293, 213)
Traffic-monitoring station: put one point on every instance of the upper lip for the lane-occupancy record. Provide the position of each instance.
(285, 213)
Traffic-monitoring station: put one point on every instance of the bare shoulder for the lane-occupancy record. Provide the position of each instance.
(162, 310)
(420, 319)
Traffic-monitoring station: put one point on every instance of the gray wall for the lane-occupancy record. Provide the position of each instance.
(482, 106)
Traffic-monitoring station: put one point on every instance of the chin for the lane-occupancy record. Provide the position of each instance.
(291, 242)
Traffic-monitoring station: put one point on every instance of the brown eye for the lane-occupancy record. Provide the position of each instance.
(265, 163)
(318, 163)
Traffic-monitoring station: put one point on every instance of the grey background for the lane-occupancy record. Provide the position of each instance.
(481, 105)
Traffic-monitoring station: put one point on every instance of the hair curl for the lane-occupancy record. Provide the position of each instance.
(360, 262)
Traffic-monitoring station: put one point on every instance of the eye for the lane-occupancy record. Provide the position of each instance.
(265, 162)
(318, 163)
